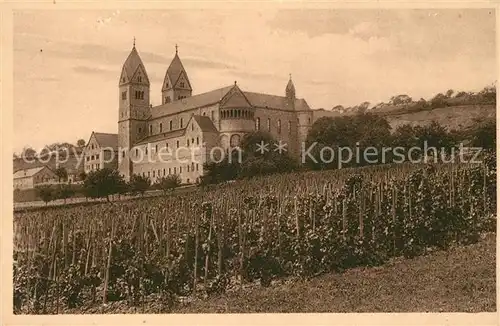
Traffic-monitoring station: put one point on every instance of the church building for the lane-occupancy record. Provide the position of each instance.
(190, 126)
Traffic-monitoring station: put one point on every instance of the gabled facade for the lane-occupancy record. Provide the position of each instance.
(30, 178)
(101, 152)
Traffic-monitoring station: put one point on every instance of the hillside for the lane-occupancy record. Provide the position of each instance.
(453, 117)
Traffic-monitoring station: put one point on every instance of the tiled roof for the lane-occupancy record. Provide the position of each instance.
(175, 69)
(274, 101)
(28, 172)
(205, 123)
(107, 140)
(191, 102)
(133, 61)
(256, 99)
(162, 136)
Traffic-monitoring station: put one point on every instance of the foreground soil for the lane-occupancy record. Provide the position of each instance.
(461, 279)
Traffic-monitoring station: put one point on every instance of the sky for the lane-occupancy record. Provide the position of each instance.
(67, 63)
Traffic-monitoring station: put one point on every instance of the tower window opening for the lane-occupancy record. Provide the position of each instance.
(161, 127)
(182, 123)
(182, 84)
(170, 125)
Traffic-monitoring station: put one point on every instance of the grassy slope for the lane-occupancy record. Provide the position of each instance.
(459, 280)
(453, 117)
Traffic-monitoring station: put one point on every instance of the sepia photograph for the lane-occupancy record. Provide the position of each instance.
(253, 160)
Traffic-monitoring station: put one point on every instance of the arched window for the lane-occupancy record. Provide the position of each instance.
(161, 127)
(150, 130)
(197, 141)
(268, 124)
(231, 114)
(187, 142)
(235, 140)
(224, 141)
(170, 125)
(182, 123)
(257, 124)
(279, 126)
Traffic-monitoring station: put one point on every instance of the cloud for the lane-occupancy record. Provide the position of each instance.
(92, 70)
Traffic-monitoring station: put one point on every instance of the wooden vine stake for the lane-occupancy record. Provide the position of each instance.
(196, 241)
(207, 257)
(108, 264)
(240, 237)
(344, 218)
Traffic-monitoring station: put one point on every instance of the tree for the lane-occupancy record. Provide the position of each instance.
(357, 131)
(45, 193)
(484, 134)
(103, 183)
(28, 152)
(461, 94)
(81, 143)
(169, 183)
(64, 192)
(338, 108)
(82, 176)
(138, 184)
(400, 99)
(449, 93)
(62, 174)
(488, 94)
(439, 100)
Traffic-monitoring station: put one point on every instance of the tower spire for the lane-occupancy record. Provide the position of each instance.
(176, 48)
(134, 41)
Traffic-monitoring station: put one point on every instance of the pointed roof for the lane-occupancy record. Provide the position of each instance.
(191, 102)
(132, 63)
(175, 70)
(205, 123)
(26, 173)
(105, 139)
(290, 88)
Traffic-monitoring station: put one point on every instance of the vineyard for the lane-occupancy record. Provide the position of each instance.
(210, 240)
